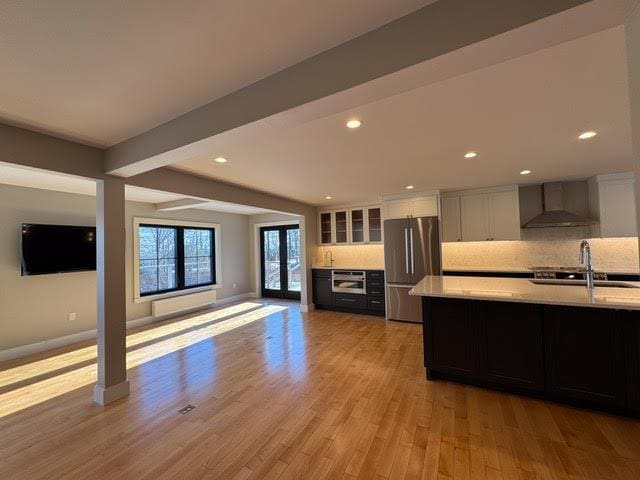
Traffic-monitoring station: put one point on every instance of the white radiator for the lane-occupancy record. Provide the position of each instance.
(167, 306)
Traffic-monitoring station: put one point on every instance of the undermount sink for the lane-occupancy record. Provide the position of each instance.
(582, 283)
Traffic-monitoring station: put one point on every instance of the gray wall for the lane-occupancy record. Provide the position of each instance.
(36, 308)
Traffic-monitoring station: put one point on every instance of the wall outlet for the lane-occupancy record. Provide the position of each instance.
(72, 316)
(235, 285)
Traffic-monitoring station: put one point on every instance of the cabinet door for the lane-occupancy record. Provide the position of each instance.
(474, 210)
(452, 342)
(424, 206)
(631, 326)
(512, 351)
(374, 225)
(398, 209)
(341, 223)
(504, 216)
(356, 225)
(322, 291)
(584, 355)
(450, 218)
(325, 227)
(618, 209)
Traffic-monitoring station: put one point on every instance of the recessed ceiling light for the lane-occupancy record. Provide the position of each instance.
(328, 197)
(354, 123)
(525, 172)
(409, 187)
(587, 135)
(470, 155)
(220, 160)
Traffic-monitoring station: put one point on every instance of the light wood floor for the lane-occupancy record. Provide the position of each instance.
(284, 395)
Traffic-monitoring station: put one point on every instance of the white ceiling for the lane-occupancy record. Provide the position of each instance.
(33, 178)
(103, 71)
(524, 113)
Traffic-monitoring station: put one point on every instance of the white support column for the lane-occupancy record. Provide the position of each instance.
(112, 382)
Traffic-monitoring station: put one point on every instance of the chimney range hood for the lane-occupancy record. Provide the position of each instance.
(554, 213)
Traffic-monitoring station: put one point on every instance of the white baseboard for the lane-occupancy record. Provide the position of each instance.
(307, 308)
(50, 344)
(103, 396)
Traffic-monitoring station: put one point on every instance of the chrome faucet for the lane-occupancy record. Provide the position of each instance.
(328, 252)
(586, 262)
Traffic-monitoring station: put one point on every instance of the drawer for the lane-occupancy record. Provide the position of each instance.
(375, 284)
(349, 300)
(375, 303)
(375, 275)
(321, 272)
(371, 290)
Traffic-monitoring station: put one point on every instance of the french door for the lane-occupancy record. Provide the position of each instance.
(280, 261)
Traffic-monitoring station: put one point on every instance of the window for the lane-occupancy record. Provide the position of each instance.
(175, 257)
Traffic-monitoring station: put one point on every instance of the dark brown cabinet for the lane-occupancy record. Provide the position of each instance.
(322, 288)
(372, 303)
(585, 355)
(511, 349)
(582, 356)
(452, 337)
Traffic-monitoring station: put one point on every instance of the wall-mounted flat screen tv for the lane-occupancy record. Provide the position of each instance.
(57, 249)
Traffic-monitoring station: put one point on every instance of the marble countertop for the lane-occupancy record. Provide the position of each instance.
(523, 291)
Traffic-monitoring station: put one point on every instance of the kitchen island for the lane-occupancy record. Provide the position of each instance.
(559, 342)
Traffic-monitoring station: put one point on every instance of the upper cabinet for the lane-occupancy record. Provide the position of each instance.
(617, 205)
(426, 206)
(481, 215)
(357, 225)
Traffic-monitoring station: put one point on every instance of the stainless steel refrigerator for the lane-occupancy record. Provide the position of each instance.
(411, 251)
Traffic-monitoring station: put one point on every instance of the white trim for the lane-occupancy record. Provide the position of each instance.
(626, 177)
(103, 396)
(180, 223)
(307, 308)
(410, 194)
(256, 248)
(53, 343)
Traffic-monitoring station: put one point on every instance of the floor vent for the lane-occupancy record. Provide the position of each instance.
(186, 409)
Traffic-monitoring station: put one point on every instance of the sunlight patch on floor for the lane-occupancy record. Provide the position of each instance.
(51, 364)
(27, 396)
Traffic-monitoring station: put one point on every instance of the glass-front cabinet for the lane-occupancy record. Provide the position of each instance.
(374, 224)
(341, 226)
(326, 228)
(357, 225)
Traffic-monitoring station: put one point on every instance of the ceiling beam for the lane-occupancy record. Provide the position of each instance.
(437, 29)
(180, 204)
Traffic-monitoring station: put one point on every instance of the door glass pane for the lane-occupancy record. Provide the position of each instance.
(375, 225)
(271, 259)
(341, 227)
(293, 259)
(325, 227)
(357, 226)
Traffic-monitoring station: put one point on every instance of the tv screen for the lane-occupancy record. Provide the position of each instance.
(57, 249)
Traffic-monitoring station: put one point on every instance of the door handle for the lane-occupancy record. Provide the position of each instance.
(412, 258)
(406, 250)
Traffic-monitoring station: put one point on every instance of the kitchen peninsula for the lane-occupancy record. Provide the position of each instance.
(560, 342)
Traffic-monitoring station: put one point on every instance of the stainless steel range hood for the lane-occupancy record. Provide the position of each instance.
(554, 213)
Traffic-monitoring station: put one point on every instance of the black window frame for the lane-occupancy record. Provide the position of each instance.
(180, 258)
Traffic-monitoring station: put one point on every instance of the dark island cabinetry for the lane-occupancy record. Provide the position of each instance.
(372, 302)
(583, 356)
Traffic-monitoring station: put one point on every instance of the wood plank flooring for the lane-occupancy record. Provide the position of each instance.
(285, 395)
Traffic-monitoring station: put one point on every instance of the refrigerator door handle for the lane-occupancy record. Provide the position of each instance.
(413, 265)
(406, 250)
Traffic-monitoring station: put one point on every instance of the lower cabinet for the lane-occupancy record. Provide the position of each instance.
(584, 356)
(371, 303)
(511, 346)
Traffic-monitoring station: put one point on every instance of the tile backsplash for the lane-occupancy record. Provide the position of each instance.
(609, 254)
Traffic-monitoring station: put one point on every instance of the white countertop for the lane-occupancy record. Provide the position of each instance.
(523, 291)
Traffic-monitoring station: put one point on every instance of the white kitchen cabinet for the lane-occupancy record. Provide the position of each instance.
(450, 219)
(474, 217)
(481, 215)
(355, 225)
(504, 215)
(374, 224)
(341, 227)
(325, 228)
(617, 203)
(412, 207)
